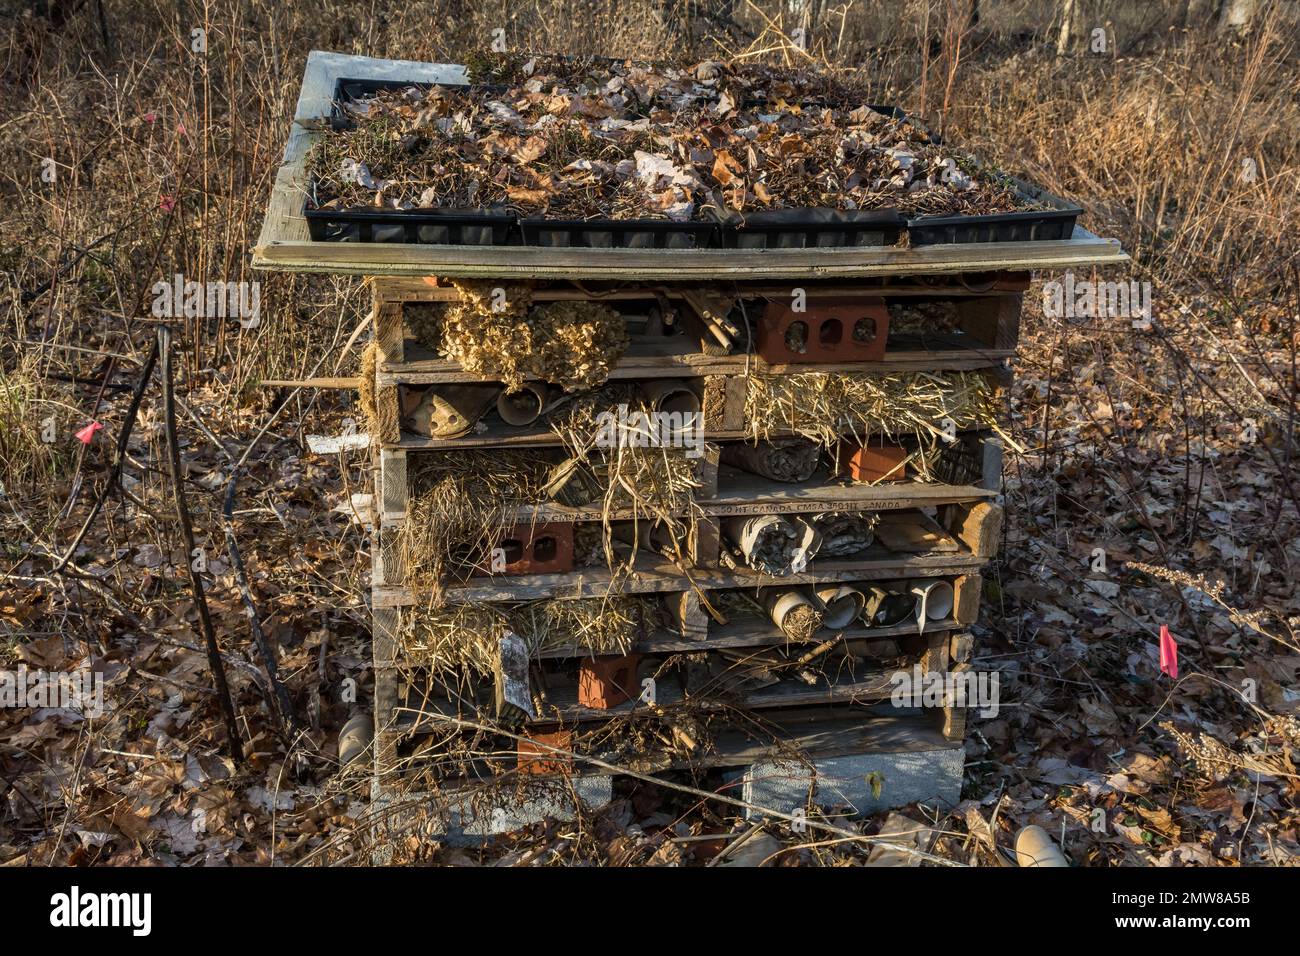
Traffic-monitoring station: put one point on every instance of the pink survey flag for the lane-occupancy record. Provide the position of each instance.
(87, 434)
(1168, 653)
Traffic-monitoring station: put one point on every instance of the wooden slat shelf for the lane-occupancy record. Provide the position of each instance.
(285, 244)
(810, 732)
(870, 685)
(509, 436)
(965, 285)
(745, 499)
(674, 356)
(651, 575)
(749, 632)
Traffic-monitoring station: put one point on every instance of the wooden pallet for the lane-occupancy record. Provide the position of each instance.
(969, 522)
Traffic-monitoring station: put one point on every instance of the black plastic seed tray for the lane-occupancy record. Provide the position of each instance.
(347, 91)
(770, 229)
(432, 226)
(618, 233)
(812, 228)
(1028, 226)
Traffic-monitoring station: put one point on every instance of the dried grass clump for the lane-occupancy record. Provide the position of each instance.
(459, 503)
(923, 318)
(801, 623)
(656, 482)
(460, 638)
(822, 405)
(493, 332)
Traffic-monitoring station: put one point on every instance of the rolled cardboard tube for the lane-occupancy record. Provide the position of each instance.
(783, 459)
(522, 407)
(671, 395)
(842, 605)
(748, 534)
(934, 598)
(355, 738)
(885, 608)
(780, 604)
(1035, 848)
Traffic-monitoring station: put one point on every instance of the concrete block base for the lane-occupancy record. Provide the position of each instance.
(920, 776)
(467, 817)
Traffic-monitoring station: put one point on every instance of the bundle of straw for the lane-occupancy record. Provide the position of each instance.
(460, 640)
(824, 405)
(459, 502)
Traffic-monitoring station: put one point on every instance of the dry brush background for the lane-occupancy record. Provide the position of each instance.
(1171, 449)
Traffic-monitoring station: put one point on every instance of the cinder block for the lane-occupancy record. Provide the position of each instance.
(605, 682)
(874, 460)
(468, 816)
(922, 776)
(543, 548)
(828, 330)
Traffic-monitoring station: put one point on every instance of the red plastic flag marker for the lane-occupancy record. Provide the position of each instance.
(87, 434)
(1168, 653)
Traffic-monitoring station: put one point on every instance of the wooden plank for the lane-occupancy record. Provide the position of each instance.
(692, 620)
(651, 575)
(993, 320)
(324, 381)
(676, 358)
(563, 707)
(527, 262)
(810, 498)
(393, 490)
(953, 717)
(851, 733)
(981, 529)
(913, 534)
(385, 629)
(428, 288)
(966, 599)
(743, 493)
(935, 658)
(390, 335)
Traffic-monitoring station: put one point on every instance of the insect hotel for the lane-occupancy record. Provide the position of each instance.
(683, 398)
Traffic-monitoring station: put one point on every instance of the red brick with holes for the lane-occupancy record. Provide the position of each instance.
(544, 548)
(828, 330)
